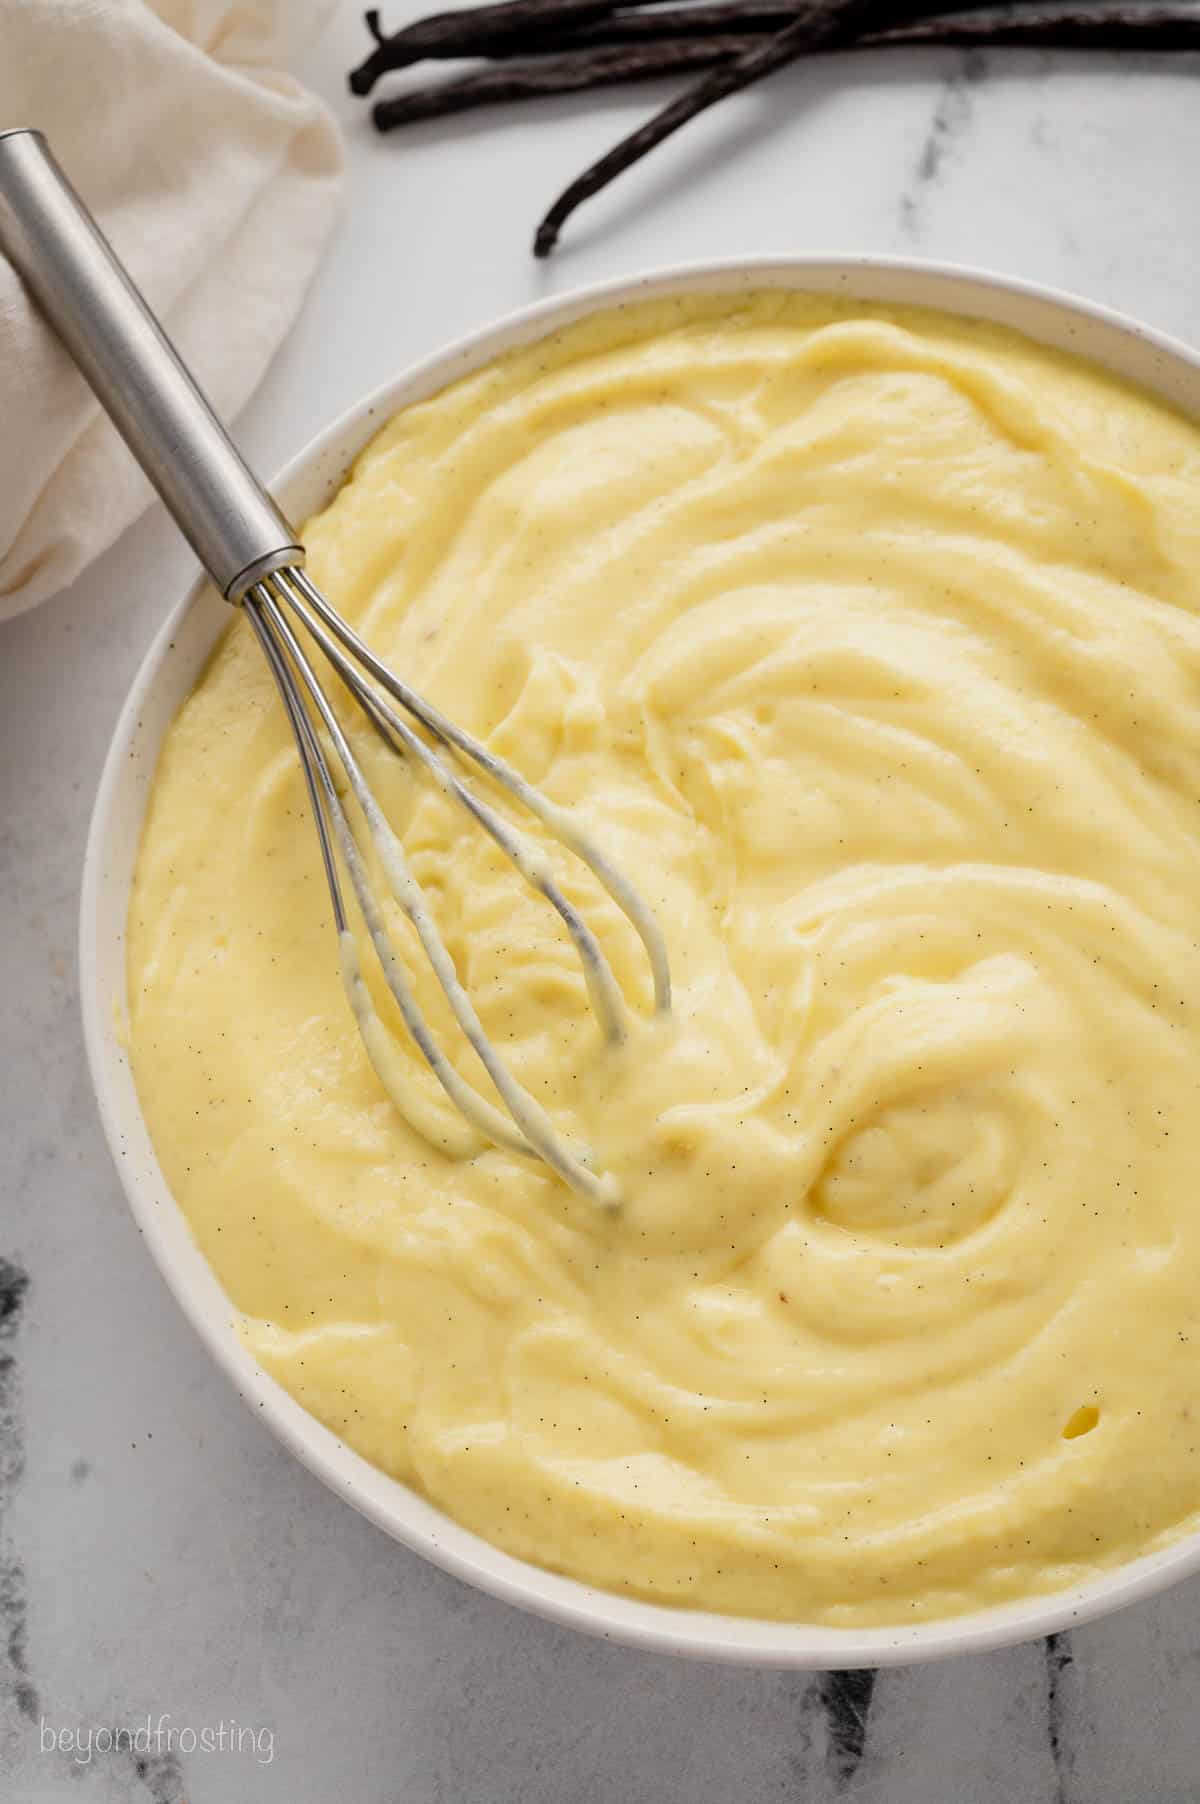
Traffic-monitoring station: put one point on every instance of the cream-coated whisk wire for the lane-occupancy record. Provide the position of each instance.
(255, 558)
(268, 605)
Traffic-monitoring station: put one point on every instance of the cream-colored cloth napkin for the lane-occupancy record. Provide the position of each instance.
(217, 179)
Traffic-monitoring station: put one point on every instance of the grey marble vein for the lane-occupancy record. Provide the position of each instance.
(949, 124)
(845, 1698)
(19, 1694)
(1059, 1658)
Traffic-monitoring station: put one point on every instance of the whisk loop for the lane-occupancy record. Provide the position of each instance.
(275, 607)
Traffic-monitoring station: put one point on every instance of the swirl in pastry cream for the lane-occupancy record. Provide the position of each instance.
(867, 642)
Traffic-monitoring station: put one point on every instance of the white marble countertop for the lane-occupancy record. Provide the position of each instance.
(161, 1555)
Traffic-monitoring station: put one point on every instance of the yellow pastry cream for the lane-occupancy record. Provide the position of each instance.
(867, 643)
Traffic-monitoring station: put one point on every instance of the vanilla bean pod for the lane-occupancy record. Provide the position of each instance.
(1137, 24)
(1053, 24)
(1058, 24)
(817, 22)
(860, 25)
(515, 28)
(566, 74)
(542, 47)
(476, 31)
(634, 24)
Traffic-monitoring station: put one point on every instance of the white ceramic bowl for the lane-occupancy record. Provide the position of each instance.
(168, 673)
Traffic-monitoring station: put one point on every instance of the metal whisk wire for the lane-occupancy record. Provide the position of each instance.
(289, 592)
(254, 556)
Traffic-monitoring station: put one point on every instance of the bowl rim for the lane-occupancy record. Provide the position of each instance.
(1148, 358)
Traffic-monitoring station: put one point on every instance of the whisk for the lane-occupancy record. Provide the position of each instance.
(256, 560)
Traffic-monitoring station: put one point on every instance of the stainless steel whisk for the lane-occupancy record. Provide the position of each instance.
(256, 560)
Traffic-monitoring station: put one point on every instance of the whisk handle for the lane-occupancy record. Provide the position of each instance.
(74, 275)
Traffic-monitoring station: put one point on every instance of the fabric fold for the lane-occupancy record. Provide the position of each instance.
(216, 176)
